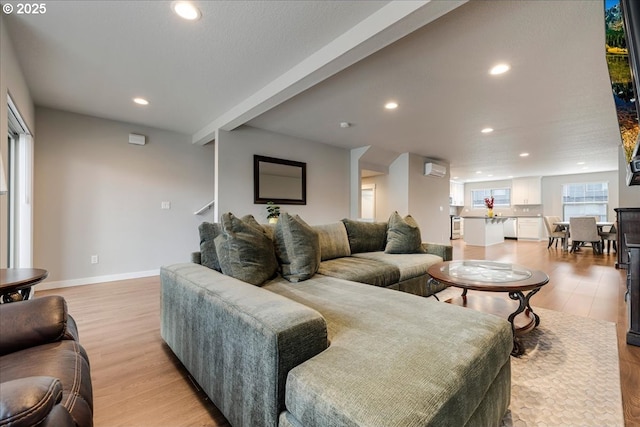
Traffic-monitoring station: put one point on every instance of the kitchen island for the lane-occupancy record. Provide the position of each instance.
(484, 231)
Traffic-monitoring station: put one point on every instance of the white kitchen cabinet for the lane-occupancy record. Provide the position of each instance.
(526, 191)
(456, 193)
(529, 228)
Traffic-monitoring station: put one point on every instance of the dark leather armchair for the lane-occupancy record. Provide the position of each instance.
(44, 371)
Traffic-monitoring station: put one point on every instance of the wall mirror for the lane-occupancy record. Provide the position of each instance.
(279, 181)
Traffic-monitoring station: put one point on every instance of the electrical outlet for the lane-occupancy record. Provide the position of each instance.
(94, 259)
(165, 205)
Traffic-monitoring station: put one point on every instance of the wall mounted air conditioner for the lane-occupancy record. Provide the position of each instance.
(431, 169)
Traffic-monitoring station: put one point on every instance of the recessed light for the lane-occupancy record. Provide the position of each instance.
(345, 124)
(499, 69)
(524, 154)
(391, 105)
(478, 171)
(140, 101)
(487, 130)
(186, 10)
(580, 163)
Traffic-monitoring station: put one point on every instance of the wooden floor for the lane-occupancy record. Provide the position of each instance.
(137, 381)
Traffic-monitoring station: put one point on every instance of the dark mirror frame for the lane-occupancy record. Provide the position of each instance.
(256, 181)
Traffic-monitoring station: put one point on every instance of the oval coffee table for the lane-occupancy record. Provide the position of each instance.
(16, 283)
(490, 276)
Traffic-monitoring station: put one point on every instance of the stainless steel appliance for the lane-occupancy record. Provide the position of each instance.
(456, 227)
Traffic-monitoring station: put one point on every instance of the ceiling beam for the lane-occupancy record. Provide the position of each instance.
(390, 23)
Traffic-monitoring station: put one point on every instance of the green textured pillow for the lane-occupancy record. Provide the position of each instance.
(297, 247)
(208, 256)
(251, 220)
(403, 235)
(245, 252)
(366, 236)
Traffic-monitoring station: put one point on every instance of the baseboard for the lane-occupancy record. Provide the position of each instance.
(94, 280)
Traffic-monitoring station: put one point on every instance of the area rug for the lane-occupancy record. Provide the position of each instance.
(568, 376)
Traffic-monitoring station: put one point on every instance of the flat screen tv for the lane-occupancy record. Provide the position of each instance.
(630, 10)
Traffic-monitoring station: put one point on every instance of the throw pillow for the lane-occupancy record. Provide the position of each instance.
(298, 247)
(245, 252)
(251, 220)
(403, 235)
(208, 256)
(334, 242)
(366, 236)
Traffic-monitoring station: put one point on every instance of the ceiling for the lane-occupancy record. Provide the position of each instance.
(302, 68)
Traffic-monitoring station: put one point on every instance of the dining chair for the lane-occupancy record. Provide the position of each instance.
(584, 230)
(554, 231)
(609, 236)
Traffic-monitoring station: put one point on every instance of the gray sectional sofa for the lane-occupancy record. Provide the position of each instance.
(311, 343)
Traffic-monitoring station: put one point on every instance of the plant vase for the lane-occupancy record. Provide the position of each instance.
(273, 220)
(490, 212)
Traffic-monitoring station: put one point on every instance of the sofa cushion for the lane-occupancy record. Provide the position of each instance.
(298, 248)
(366, 236)
(361, 270)
(334, 242)
(403, 235)
(410, 265)
(244, 251)
(208, 255)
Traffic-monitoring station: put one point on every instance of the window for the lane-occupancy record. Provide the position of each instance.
(585, 199)
(501, 197)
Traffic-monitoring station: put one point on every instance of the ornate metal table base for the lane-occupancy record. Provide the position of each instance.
(518, 348)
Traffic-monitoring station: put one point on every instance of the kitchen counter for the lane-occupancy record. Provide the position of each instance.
(484, 231)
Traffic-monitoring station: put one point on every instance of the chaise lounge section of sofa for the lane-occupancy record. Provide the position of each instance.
(326, 351)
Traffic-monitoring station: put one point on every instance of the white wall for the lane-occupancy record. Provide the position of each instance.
(327, 174)
(95, 194)
(12, 82)
(406, 190)
(429, 200)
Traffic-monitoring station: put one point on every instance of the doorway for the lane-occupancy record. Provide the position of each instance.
(368, 202)
(18, 208)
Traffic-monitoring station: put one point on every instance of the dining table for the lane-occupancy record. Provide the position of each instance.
(565, 225)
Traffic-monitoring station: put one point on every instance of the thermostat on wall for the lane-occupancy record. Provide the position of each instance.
(137, 139)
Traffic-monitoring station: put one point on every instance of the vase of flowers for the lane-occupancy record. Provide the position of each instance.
(273, 212)
(488, 202)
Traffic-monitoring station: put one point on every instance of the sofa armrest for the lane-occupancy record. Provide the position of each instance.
(444, 251)
(25, 324)
(33, 401)
(239, 341)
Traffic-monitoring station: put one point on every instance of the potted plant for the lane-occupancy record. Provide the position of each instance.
(273, 212)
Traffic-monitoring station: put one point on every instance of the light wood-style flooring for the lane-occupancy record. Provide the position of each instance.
(137, 381)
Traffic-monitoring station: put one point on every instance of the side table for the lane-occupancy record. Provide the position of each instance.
(16, 283)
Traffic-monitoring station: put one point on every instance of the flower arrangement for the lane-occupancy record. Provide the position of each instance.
(488, 202)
